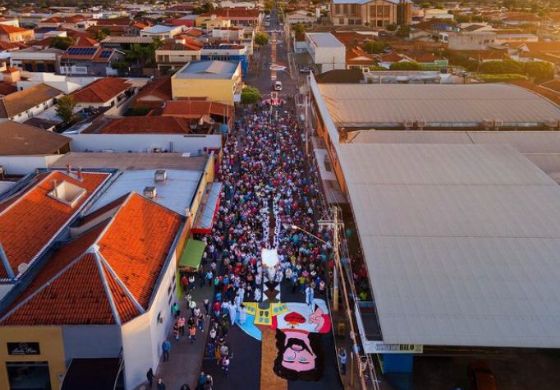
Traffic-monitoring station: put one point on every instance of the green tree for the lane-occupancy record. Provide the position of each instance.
(391, 27)
(539, 71)
(250, 95)
(62, 43)
(65, 108)
(261, 38)
(406, 65)
(500, 67)
(374, 47)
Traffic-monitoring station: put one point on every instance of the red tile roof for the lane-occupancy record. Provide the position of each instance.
(7, 29)
(137, 255)
(195, 109)
(101, 91)
(33, 218)
(235, 13)
(107, 275)
(145, 125)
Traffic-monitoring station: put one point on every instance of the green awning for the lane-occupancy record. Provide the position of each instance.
(192, 254)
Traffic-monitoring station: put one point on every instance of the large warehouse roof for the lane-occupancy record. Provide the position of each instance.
(462, 243)
(435, 105)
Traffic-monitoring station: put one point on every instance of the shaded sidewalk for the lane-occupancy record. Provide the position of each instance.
(185, 359)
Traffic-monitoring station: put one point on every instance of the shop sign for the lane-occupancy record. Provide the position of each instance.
(398, 348)
(23, 349)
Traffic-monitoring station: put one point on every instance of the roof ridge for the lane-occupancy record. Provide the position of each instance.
(45, 285)
(19, 198)
(118, 280)
(112, 219)
(100, 267)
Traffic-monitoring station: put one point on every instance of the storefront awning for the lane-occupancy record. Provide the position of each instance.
(93, 374)
(205, 219)
(192, 254)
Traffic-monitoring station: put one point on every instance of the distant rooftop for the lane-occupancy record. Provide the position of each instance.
(325, 40)
(207, 69)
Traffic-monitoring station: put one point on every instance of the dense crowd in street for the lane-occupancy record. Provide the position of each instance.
(268, 187)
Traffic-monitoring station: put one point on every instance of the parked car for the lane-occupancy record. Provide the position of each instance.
(481, 377)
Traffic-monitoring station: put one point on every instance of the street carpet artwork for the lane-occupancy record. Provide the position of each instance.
(299, 328)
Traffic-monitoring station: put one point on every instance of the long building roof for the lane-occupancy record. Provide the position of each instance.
(435, 105)
(461, 243)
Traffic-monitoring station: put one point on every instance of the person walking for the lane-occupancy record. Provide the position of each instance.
(225, 364)
(160, 384)
(166, 347)
(192, 334)
(342, 359)
(150, 377)
(309, 295)
(207, 306)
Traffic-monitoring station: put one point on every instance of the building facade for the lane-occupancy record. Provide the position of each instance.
(373, 13)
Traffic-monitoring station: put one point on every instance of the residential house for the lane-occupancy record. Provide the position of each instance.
(105, 92)
(301, 16)
(521, 19)
(201, 112)
(125, 42)
(145, 134)
(15, 34)
(219, 81)
(75, 22)
(33, 59)
(153, 95)
(236, 16)
(90, 61)
(209, 22)
(357, 58)
(175, 54)
(25, 148)
(374, 13)
(161, 32)
(25, 104)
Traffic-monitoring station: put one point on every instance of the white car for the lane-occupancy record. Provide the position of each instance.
(277, 85)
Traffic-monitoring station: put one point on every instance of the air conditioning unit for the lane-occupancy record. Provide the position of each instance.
(150, 192)
(408, 124)
(160, 176)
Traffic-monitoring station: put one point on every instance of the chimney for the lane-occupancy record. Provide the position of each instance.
(68, 169)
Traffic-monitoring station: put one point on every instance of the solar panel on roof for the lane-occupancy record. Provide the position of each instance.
(82, 51)
(105, 54)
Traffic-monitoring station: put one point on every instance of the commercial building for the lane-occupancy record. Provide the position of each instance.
(457, 222)
(121, 310)
(90, 61)
(327, 52)
(374, 13)
(32, 59)
(161, 32)
(219, 81)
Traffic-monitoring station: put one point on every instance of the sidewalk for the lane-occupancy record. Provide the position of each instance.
(185, 359)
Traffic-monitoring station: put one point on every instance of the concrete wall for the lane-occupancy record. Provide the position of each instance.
(142, 337)
(216, 90)
(143, 142)
(22, 165)
(91, 341)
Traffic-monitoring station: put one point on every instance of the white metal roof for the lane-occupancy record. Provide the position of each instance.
(325, 40)
(439, 105)
(176, 193)
(462, 243)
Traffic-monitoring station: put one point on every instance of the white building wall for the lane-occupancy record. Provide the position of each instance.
(142, 337)
(193, 144)
(33, 111)
(22, 165)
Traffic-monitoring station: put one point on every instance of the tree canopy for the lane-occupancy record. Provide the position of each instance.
(261, 38)
(65, 108)
(406, 65)
(374, 47)
(250, 95)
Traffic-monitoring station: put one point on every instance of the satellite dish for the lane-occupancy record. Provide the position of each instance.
(22, 267)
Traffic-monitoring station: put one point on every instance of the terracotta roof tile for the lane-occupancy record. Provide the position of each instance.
(196, 108)
(18, 102)
(77, 286)
(7, 29)
(77, 296)
(137, 255)
(34, 218)
(101, 90)
(144, 125)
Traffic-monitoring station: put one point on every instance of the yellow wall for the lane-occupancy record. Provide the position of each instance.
(216, 90)
(51, 347)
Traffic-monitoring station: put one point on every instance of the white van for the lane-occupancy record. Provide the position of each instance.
(277, 85)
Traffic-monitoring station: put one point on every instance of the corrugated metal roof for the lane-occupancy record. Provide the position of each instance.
(362, 105)
(207, 69)
(462, 243)
(325, 40)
